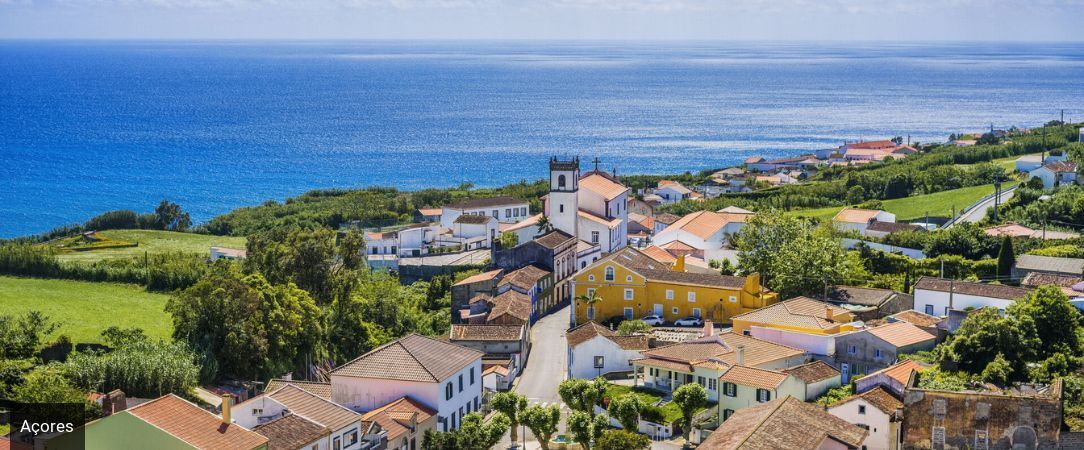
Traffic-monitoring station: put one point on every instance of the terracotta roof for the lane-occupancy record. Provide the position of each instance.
(589, 330)
(799, 311)
(525, 277)
(682, 356)
(713, 279)
(395, 417)
(677, 245)
(411, 358)
(318, 388)
(704, 224)
(1036, 279)
(511, 303)
(475, 203)
(753, 159)
(528, 222)
(553, 239)
(486, 332)
(900, 371)
(885, 144)
(751, 376)
(602, 185)
(611, 223)
(660, 255)
(290, 432)
(1009, 229)
(1061, 166)
(1068, 266)
(782, 424)
(675, 186)
(854, 215)
(485, 276)
(631, 258)
(473, 219)
(315, 408)
(666, 218)
(645, 221)
(917, 318)
(735, 210)
(901, 334)
(999, 291)
(812, 372)
(878, 397)
(892, 227)
(430, 211)
(376, 236)
(194, 425)
(853, 295)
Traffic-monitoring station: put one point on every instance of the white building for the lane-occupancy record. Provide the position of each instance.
(524, 230)
(879, 412)
(1027, 163)
(504, 209)
(936, 296)
(858, 220)
(706, 231)
(344, 425)
(594, 350)
(471, 232)
(672, 191)
(1055, 174)
(442, 376)
(591, 207)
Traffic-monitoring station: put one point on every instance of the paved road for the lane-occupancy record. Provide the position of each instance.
(979, 211)
(545, 369)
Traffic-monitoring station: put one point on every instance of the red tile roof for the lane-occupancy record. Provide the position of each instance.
(194, 425)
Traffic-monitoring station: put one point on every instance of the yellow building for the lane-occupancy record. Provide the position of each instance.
(799, 314)
(630, 284)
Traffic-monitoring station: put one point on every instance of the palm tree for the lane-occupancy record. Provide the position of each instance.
(544, 225)
(590, 299)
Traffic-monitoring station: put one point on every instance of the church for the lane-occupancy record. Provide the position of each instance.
(593, 207)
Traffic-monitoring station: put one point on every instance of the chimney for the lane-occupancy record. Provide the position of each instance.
(226, 400)
(828, 312)
(709, 328)
(679, 266)
(740, 355)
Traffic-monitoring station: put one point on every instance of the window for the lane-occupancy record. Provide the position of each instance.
(584, 264)
(730, 389)
(628, 277)
(476, 403)
(590, 278)
(257, 411)
(337, 443)
(561, 181)
(472, 376)
(628, 313)
(600, 362)
(507, 212)
(674, 310)
(877, 353)
(628, 294)
(853, 350)
(351, 438)
(861, 409)
(460, 382)
(745, 332)
(669, 294)
(733, 299)
(591, 312)
(496, 213)
(594, 237)
(591, 292)
(696, 312)
(727, 413)
(764, 395)
(713, 384)
(929, 309)
(946, 310)
(523, 211)
(561, 208)
(692, 296)
(609, 274)
(448, 390)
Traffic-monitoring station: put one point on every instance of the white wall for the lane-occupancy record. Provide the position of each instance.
(581, 358)
(448, 215)
(940, 301)
(364, 394)
(1048, 176)
(882, 432)
(817, 344)
(912, 253)
(243, 415)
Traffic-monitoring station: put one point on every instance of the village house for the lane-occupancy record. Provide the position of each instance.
(510, 344)
(872, 349)
(591, 207)
(294, 432)
(470, 287)
(894, 378)
(524, 230)
(853, 219)
(344, 427)
(510, 307)
(936, 296)
(321, 389)
(555, 252)
(639, 223)
(1071, 286)
(929, 323)
(442, 376)
(1027, 163)
(534, 282)
(504, 209)
(427, 215)
(1050, 265)
(672, 191)
(706, 231)
(817, 376)
(404, 422)
(594, 350)
(1015, 230)
(470, 232)
(800, 322)
(869, 303)
(664, 220)
(744, 386)
(880, 229)
(784, 423)
(1056, 174)
(630, 284)
(878, 412)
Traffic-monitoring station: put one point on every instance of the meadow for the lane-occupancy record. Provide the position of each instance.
(151, 242)
(939, 204)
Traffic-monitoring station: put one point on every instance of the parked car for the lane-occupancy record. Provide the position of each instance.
(652, 320)
(689, 322)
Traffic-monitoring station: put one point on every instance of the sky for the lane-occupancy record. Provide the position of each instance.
(822, 20)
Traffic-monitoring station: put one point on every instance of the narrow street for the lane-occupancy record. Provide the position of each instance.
(546, 368)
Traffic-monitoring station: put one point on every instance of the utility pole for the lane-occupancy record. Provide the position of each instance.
(951, 291)
(1063, 117)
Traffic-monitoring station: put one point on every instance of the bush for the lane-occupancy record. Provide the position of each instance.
(140, 368)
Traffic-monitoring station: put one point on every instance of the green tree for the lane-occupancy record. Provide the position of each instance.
(474, 433)
(1005, 258)
(311, 259)
(20, 337)
(984, 335)
(1057, 322)
(582, 395)
(544, 225)
(855, 195)
(47, 385)
(626, 410)
(630, 327)
(170, 216)
(116, 336)
(689, 398)
(543, 421)
(724, 266)
(586, 430)
(510, 404)
(998, 371)
(622, 440)
(589, 300)
(793, 256)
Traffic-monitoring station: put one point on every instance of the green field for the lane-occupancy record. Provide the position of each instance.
(939, 204)
(154, 241)
(84, 309)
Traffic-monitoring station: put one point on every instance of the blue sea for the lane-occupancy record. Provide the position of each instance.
(87, 127)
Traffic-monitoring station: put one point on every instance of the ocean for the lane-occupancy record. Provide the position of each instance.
(91, 126)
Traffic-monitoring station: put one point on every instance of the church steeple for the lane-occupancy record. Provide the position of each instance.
(563, 204)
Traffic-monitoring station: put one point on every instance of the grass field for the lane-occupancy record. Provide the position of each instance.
(154, 241)
(84, 309)
(939, 204)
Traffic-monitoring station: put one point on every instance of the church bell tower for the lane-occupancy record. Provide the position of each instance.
(564, 194)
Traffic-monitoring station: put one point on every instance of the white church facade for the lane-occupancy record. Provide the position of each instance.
(591, 206)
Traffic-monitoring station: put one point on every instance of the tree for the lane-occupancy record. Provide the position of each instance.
(170, 216)
(1057, 322)
(542, 421)
(984, 335)
(724, 266)
(20, 337)
(116, 336)
(626, 410)
(898, 140)
(589, 299)
(46, 385)
(793, 256)
(582, 395)
(622, 440)
(690, 397)
(998, 371)
(586, 430)
(1005, 258)
(308, 258)
(510, 404)
(544, 225)
(855, 195)
(474, 433)
(630, 327)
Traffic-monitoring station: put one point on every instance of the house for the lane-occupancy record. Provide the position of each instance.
(869, 303)
(878, 412)
(594, 350)
(1027, 264)
(784, 423)
(591, 207)
(894, 378)
(928, 322)
(630, 284)
(707, 231)
(343, 426)
(1070, 285)
(818, 377)
(427, 215)
(511, 343)
(880, 229)
(1027, 163)
(744, 386)
(556, 252)
(1056, 174)
(853, 219)
(706, 359)
(1015, 230)
(404, 421)
(672, 191)
(231, 254)
(470, 287)
(938, 295)
(471, 232)
(872, 349)
(382, 243)
(442, 376)
(664, 220)
(167, 422)
(504, 209)
(510, 307)
(534, 282)
(643, 206)
(293, 432)
(525, 230)
(321, 389)
(758, 164)
(639, 223)
(417, 239)
(1020, 416)
(497, 374)
(799, 322)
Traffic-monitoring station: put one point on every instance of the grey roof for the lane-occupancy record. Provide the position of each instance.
(972, 288)
(892, 227)
(472, 219)
(852, 295)
(411, 358)
(1068, 266)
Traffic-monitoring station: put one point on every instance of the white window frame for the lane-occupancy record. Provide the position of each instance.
(696, 313)
(674, 310)
(733, 299)
(609, 274)
(692, 296)
(628, 314)
(590, 313)
(629, 294)
(628, 277)
(669, 294)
